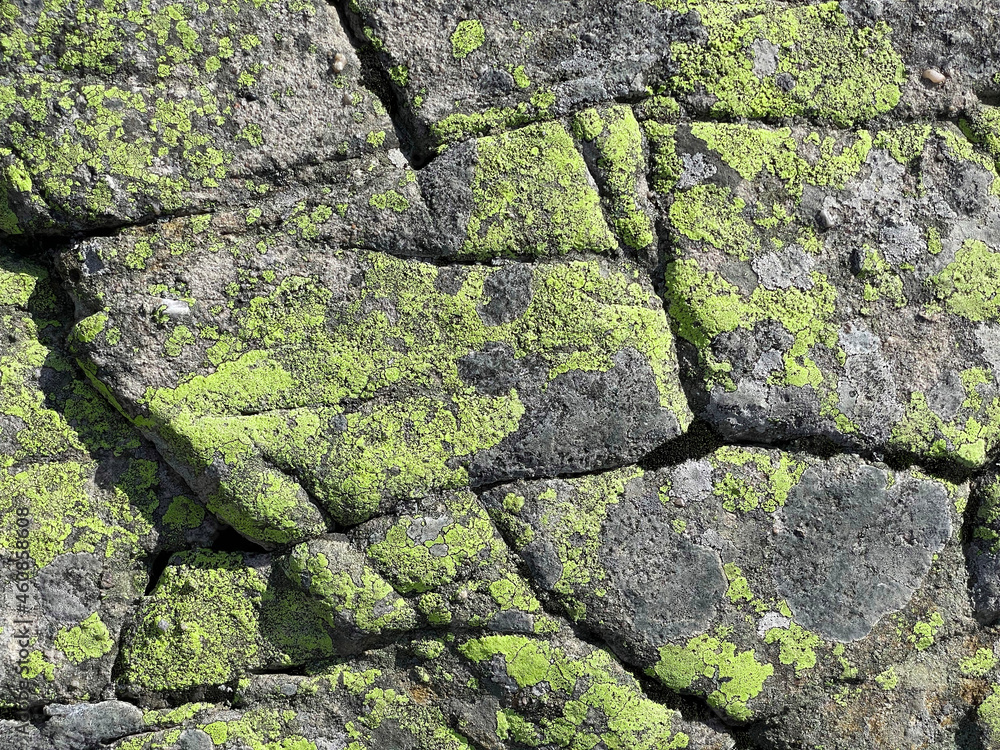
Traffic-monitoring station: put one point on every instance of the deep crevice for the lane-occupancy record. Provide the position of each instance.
(374, 77)
(230, 540)
(156, 569)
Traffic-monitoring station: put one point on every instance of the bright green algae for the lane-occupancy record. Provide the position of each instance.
(271, 408)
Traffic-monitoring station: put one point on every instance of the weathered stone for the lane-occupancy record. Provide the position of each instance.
(737, 568)
(492, 66)
(206, 105)
(297, 385)
(85, 506)
(875, 333)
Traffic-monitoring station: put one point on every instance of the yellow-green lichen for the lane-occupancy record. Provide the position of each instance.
(810, 61)
(531, 196)
(280, 380)
(466, 540)
(574, 519)
(979, 664)
(37, 665)
(967, 438)
(372, 603)
(925, 630)
(200, 626)
(617, 139)
(737, 676)
(797, 646)
(753, 150)
(969, 286)
(703, 305)
(88, 640)
(467, 38)
(887, 680)
(597, 704)
(758, 479)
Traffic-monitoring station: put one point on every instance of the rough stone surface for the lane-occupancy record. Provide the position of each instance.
(745, 567)
(601, 375)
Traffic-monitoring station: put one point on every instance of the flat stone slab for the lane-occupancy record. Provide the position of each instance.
(296, 385)
(206, 105)
(490, 66)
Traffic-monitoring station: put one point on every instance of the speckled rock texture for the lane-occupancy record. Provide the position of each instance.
(598, 375)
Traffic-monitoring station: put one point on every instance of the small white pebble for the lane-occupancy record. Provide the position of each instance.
(339, 63)
(174, 308)
(934, 75)
(163, 625)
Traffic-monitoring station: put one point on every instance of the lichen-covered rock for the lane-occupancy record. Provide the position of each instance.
(85, 505)
(952, 38)
(724, 575)
(362, 424)
(122, 111)
(446, 555)
(215, 616)
(432, 694)
(837, 284)
(294, 388)
(492, 66)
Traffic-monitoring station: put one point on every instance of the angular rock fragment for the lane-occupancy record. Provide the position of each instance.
(490, 66)
(85, 506)
(445, 554)
(837, 284)
(213, 617)
(613, 144)
(724, 576)
(118, 112)
(295, 385)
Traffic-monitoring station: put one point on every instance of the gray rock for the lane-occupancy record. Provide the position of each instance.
(856, 546)
(86, 725)
(788, 340)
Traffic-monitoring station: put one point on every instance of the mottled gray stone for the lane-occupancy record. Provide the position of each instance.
(855, 548)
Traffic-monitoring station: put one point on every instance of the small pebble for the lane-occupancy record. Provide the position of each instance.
(339, 63)
(826, 219)
(934, 75)
(163, 625)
